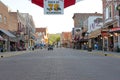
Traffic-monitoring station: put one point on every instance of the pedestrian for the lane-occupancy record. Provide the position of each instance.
(111, 47)
(95, 46)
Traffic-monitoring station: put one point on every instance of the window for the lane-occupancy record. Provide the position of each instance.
(5, 20)
(0, 18)
(115, 6)
(106, 17)
(108, 12)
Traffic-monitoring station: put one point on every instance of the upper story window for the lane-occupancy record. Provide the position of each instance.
(0, 18)
(5, 20)
(81, 23)
(115, 6)
(108, 12)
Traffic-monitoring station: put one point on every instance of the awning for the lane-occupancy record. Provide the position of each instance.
(115, 29)
(95, 33)
(7, 33)
(67, 3)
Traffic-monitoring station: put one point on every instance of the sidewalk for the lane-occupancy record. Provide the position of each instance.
(14, 53)
(104, 53)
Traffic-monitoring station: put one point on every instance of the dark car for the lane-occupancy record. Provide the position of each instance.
(50, 47)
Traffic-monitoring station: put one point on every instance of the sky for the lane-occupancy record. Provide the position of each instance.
(54, 23)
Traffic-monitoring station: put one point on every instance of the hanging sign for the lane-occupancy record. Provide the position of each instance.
(53, 7)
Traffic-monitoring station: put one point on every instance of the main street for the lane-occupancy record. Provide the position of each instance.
(59, 64)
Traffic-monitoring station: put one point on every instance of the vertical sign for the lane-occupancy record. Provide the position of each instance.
(53, 7)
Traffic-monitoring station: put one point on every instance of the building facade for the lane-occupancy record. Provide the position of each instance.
(79, 20)
(41, 36)
(29, 31)
(7, 36)
(66, 39)
(111, 25)
(17, 29)
(94, 24)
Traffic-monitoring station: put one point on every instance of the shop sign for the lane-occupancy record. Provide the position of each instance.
(115, 29)
(53, 7)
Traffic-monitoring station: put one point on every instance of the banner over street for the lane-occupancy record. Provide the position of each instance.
(53, 7)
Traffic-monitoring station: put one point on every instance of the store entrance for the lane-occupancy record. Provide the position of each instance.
(110, 43)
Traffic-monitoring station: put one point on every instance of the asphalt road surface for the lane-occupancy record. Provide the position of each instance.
(59, 64)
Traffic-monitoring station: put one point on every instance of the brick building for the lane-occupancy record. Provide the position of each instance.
(66, 39)
(111, 30)
(7, 36)
(4, 16)
(80, 30)
(16, 29)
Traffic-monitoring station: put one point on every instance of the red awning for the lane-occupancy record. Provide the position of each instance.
(67, 3)
(115, 29)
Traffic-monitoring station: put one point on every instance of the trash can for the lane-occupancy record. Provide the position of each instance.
(90, 49)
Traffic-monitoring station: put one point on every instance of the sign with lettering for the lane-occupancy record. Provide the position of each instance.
(52, 7)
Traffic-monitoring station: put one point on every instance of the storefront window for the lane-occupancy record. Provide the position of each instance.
(108, 12)
(1, 46)
(116, 38)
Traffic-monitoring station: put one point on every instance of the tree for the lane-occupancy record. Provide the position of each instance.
(54, 38)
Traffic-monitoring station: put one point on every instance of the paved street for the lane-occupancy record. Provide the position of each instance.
(59, 64)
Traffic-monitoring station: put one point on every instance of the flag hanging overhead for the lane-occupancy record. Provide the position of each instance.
(67, 3)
